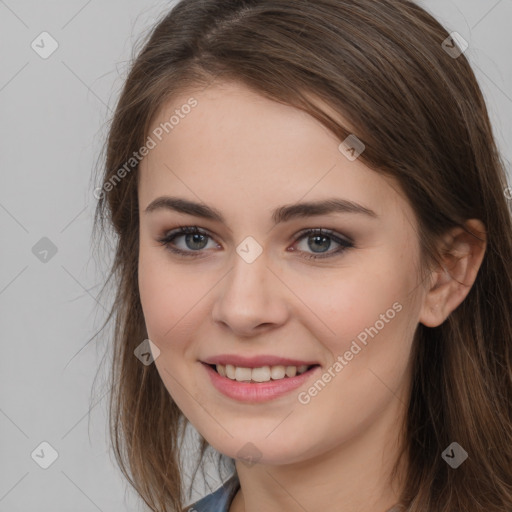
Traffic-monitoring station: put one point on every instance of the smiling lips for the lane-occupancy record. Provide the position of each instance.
(254, 390)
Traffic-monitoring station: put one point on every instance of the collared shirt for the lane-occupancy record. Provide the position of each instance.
(219, 500)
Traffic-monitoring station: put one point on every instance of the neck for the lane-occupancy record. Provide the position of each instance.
(352, 476)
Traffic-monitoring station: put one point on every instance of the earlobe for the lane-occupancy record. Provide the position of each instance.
(451, 282)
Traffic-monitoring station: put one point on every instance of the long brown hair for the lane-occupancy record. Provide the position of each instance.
(418, 109)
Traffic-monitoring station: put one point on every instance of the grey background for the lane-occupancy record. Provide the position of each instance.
(54, 115)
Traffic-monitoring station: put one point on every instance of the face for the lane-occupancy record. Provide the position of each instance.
(254, 289)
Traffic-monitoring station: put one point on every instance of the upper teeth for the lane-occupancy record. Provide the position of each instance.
(261, 374)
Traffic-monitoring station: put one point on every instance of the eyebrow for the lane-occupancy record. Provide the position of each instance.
(281, 214)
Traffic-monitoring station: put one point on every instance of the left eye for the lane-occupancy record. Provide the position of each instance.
(322, 239)
(196, 240)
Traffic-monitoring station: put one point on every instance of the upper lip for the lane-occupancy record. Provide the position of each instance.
(256, 361)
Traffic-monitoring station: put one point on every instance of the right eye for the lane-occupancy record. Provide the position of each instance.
(195, 241)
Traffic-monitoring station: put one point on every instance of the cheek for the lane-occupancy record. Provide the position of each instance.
(366, 309)
(165, 297)
(168, 308)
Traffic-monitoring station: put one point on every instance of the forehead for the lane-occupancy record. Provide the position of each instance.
(235, 148)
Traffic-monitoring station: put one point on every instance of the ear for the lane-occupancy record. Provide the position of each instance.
(450, 283)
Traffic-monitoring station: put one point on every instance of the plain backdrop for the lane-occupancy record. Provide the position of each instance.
(53, 115)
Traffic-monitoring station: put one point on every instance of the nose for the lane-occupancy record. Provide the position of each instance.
(251, 298)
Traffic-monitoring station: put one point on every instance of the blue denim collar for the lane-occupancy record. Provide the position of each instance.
(219, 500)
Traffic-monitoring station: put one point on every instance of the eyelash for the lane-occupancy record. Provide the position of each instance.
(186, 230)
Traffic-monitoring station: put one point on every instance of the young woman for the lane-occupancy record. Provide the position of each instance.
(312, 262)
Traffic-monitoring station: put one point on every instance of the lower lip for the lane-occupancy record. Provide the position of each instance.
(260, 391)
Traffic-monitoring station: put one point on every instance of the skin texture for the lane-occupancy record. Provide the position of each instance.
(246, 155)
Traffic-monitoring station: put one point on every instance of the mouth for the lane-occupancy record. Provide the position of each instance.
(260, 374)
(258, 384)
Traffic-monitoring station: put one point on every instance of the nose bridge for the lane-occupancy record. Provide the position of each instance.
(250, 295)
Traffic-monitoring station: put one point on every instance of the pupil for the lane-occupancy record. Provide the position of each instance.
(194, 240)
(324, 239)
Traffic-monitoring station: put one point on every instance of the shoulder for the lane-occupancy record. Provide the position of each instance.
(219, 500)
